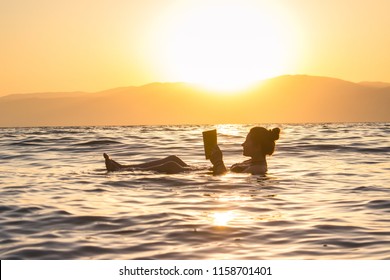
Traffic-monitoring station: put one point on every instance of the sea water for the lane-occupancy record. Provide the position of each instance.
(326, 194)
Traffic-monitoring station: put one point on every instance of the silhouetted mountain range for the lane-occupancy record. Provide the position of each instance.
(375, 84)
(284, 99)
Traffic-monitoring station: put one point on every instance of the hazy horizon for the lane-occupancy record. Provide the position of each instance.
(284, 99)
(372, 83)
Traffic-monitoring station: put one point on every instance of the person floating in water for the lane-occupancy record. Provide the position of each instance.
(259, 143)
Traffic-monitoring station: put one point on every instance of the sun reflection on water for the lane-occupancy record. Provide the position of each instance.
(228, 129)
(233, 198)
(223, 218)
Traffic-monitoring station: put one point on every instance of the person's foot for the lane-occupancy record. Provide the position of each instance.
(111, 165)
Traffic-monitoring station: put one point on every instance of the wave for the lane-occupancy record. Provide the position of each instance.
(379, 204)
(333, 147)
(30, 142)
(97, 143)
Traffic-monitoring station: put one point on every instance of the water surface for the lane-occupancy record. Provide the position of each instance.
(326, 195)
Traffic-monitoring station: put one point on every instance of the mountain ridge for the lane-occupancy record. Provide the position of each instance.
(283, 99)
(375, 84)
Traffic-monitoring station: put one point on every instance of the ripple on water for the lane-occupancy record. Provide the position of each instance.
(379, 204)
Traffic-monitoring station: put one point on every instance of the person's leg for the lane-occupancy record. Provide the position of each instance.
(170, 164)
(174, 159)
(111, 165)
(169, 167)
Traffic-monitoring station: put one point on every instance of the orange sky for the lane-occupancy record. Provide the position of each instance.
(94, 45)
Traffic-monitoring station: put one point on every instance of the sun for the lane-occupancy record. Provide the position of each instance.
(224, 45)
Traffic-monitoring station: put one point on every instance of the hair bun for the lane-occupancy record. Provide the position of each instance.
(275, 133)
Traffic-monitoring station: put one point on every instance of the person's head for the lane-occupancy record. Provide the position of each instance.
(260, 141)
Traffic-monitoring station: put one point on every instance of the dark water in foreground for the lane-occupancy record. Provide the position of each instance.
(326, 195)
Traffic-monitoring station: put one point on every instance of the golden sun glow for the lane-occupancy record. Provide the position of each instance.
(222, 218)
(226, 45)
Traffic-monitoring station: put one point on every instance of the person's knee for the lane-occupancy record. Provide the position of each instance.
(173, 158)
(172, 167)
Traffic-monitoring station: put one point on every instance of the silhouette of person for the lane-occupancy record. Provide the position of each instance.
(259, 143)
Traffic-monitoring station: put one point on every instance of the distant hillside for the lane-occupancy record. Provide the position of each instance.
(375, 84)
(284, 99)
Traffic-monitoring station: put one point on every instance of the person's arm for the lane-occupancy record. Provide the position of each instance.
(216, 159)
